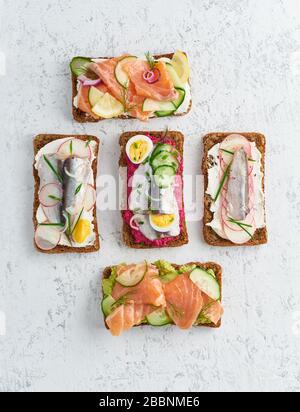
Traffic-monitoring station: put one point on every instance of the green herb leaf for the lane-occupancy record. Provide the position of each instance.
(242, 226)
(150, 60)
(78, 189)
(88, 142)
(71, 147)
(58, 199)
(232, 153)
(57, 174)
(52, 224)
(79, 217)
(224, 178)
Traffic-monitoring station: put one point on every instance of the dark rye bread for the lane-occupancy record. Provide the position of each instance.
(206, 266)
(83, 117)
(261, 235)
(39, 142)
(179, 140)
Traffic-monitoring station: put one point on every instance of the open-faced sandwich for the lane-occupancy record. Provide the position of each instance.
(130, 87)
(154, 209)
(234, 172)
(64, 211)
(161, 294)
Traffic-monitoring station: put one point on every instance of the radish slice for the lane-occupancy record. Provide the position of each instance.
(231, 144)
(132, 222)
(240, 237)
(47, 237)
(50, 195)
(74, 147)
(90, 198)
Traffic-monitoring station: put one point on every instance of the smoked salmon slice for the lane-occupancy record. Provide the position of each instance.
(148, 292)
(184, 301)
(127, 316)
(162, 90)
(212, 310)
(135, 104)
(106, 72)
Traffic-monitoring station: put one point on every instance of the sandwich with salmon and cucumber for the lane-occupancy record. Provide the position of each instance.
(131, 87)
(162, 294)
(64, 210)
(151, 169)
(234, 174)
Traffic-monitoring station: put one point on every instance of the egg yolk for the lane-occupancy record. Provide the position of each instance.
(162, 220)
(139, 150)
(82, 231)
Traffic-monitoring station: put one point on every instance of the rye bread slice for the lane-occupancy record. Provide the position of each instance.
(39, 142)
(261, 235)
(178, 138)
(206, 266)
(83, 117)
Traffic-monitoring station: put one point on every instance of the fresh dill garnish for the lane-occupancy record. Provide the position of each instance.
(151, 61)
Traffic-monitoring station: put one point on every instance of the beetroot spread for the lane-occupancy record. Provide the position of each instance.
(178, 188)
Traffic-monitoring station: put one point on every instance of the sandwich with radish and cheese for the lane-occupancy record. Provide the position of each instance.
(234, 172)
(130, 87)
(64, 216)
(162, 294)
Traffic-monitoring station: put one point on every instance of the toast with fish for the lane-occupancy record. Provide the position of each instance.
(178, 138)
(217, 269)
(260, 236)
(39, 142)
(83, 117)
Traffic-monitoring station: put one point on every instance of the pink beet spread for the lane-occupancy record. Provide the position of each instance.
(128, 214)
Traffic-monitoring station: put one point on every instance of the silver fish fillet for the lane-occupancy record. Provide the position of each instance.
(163, 201)
(76, 174)
(238, 187)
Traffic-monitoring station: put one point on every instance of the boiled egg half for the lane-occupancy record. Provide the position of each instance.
(139, 148)
(162, 223)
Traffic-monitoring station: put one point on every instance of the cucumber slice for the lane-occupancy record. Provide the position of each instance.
(79, 65)
(207, 283)
(107, 304)
(162, 147)
(181, 96)
(156, 106)
(165, 114)
(164, 176)
(164, 159)
(159, 318)
(95, 95)
(174, 76)
(121, 76)
(133, 276)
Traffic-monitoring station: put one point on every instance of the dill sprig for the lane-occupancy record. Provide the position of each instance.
(151, 61)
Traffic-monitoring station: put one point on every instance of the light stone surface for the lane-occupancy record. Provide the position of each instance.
(245, 57)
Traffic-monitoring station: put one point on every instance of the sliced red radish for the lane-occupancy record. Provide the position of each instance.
(244, 234)
(90, 198)
(74, 147)
(47, 237)
(89, 82)
(50, 195)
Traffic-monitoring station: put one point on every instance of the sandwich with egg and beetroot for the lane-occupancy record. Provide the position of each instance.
(151, 166)
(64, 210)
(162, 294)
(234, 173)
(130, 87)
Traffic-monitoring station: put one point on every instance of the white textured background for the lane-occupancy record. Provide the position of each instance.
(245, 56)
